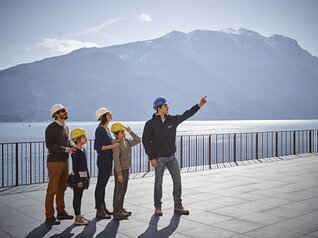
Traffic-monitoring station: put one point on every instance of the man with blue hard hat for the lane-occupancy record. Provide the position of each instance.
(159, 137)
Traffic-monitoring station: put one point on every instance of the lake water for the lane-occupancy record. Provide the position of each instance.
(34, 131)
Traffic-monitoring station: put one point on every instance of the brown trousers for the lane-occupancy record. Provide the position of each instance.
(57, 173)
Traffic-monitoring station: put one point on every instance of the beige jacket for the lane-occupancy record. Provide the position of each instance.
(122, 154)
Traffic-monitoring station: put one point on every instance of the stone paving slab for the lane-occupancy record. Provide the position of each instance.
(272, 197)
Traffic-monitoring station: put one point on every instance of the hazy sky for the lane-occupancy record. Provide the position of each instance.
(35, 29)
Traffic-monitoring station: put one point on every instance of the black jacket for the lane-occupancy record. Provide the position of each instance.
(159, 138)
(79, 163)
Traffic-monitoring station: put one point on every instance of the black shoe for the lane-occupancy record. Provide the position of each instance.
(100, 214)
(52, 221)
(64, 215)
(105, 209)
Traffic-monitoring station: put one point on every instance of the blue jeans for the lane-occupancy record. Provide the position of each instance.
(172, 165)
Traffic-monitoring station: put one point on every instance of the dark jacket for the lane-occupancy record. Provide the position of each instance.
(159, 137)
(79, 163)
(103, 137)
(56, 140)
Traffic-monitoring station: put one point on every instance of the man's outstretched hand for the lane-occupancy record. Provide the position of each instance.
(203, 101)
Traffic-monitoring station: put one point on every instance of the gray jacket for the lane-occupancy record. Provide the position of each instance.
(122, 154)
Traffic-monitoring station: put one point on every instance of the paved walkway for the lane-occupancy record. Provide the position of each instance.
(276, 198)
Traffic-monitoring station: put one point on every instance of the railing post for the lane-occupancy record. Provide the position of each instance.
(234, 149)
(209, 151)
(43, 160)
(16, 164)
(294, 139)
(256, 145)
(2, 168)
(310, 148)
(276, 144)
(181, 151)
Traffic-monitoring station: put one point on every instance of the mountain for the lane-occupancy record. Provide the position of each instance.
(244, 74)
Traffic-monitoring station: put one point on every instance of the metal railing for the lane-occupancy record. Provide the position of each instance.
(25, 162)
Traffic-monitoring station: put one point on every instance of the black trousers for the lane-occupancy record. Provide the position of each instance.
(120, 190)
(104, 171)
(77, 200)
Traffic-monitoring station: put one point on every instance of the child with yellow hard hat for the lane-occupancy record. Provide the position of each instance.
(122, 162)
(80, 172)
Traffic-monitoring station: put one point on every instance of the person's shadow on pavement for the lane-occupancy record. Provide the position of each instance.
(110, 230)
(89, 230)
(40, 231)
(153, 232)
(65, 233)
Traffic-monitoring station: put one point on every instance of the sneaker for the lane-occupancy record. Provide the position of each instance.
(105, 209)
(64, 215)
(120, 215)
(100, 214)
(52, 221)
(85, 218)
(126, 212)
(181, 210)
(79, 220)
(158, 211)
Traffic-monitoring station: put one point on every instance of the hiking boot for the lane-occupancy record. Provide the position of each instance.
(64, 215)
(100, 214)
(79, 220)
(120, 215)
(126, 212)
(181, 210)
(52, 221)
(158, 211)
(105, 209)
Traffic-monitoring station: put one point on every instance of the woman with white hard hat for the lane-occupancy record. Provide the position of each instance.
(103, 145)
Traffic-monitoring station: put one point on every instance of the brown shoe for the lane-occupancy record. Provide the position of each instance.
(105, 209)
(126, 212)
(181, 210)
(64, 215)
(52, 221)
(100, 214)
(158, 211)
(120, 215)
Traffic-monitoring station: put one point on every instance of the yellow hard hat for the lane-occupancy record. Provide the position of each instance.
(117, 127)
(77, 132)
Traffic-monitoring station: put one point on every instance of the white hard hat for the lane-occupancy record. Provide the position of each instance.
(101, 111)
(55, 108)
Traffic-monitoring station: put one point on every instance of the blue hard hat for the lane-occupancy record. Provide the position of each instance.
(159, 101)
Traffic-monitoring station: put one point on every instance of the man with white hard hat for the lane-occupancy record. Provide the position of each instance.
(58, 145)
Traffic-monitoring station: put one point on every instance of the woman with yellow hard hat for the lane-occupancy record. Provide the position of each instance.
(104, 146)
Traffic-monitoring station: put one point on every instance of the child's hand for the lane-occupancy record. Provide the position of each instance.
(120, 179)
(80, 184)
(128, 129)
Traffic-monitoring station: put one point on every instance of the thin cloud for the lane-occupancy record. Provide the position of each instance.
(64, 46)
(97, 30)
(145, 18)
